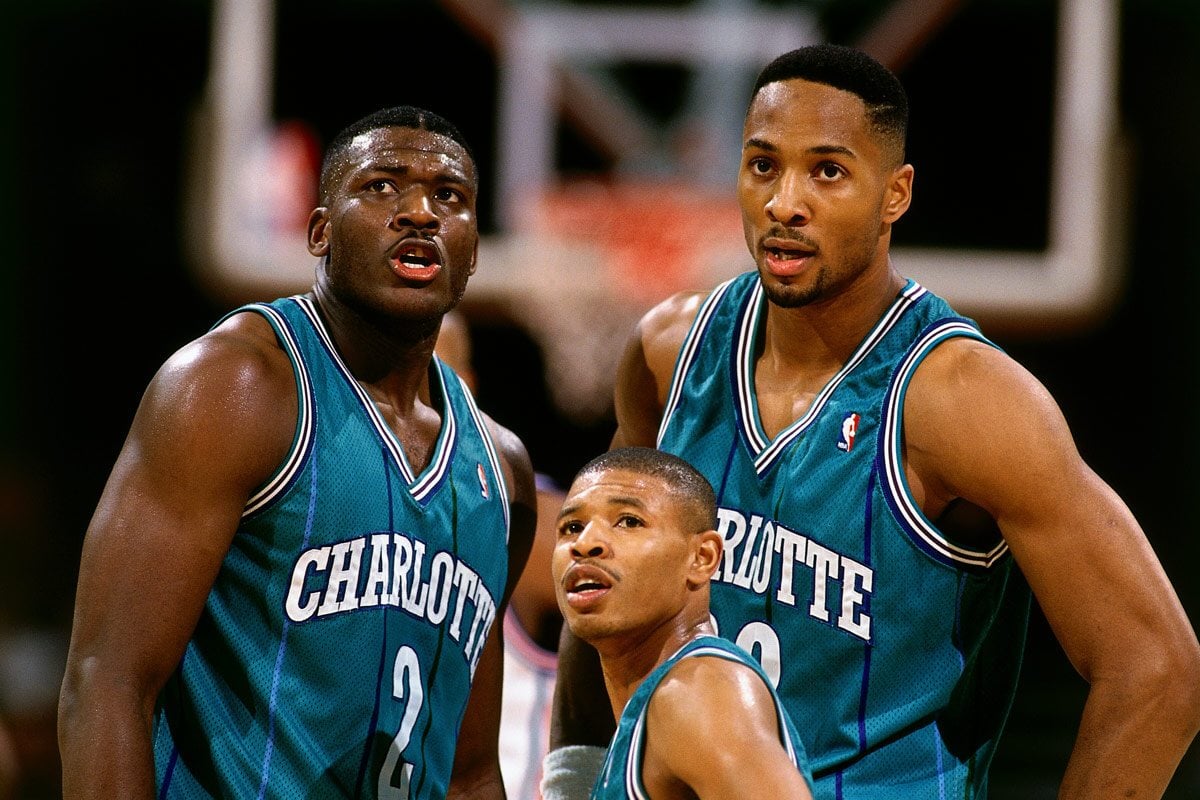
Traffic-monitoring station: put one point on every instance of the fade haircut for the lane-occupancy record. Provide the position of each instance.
(851, 71)
(700, 502)
(412, 117)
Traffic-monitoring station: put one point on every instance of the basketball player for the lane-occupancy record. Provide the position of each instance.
(856, 429)
(291, 585)
(533, 621)
(698, 715)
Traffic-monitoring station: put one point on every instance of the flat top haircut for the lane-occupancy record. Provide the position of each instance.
(394, 117)
(851, 71)
(681, 477)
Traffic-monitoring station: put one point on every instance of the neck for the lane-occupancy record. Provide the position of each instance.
(626, 663)
(389, 357)
(828, 330)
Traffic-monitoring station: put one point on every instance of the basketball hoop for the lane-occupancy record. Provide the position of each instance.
(652, 238)
(593, 257)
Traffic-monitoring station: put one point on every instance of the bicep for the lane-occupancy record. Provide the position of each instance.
(198, 445)
(1092, 569)
(714, 729)
(646, 368)
(636, 403)
(987, 431)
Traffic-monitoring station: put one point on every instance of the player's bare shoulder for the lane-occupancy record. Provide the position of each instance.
(522, 496)
(231, 392)
(515, 461)
(644, 373)
(663, 328)
(241, 359)
(713, 702)
(699, 687)
(966, 377)
(973, 418)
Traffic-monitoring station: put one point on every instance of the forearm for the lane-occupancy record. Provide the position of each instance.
(105, 748)
(488, 787)
(1131, 739)
(582, 713)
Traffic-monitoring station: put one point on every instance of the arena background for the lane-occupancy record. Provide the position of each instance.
(104, 277)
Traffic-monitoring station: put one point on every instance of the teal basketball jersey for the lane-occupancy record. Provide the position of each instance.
(895, 647)
(336, 649)
(621, 776)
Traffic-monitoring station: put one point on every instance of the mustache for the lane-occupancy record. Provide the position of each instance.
(782, 234)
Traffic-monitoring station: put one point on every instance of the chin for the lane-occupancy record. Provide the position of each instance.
(591, 630)
(791, 296)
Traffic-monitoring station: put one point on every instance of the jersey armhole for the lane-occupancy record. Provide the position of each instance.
(687, 354)
(893, 482)
(302, 440)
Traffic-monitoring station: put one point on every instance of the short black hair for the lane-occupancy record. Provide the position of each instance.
(851, 71)
(700, 510)
(420, 119)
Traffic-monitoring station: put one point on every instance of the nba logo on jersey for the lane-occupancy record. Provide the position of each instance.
(849, 431)
(482, 480)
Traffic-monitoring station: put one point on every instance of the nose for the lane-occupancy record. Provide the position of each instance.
(414, 210)
(590, 543)
(788, 204)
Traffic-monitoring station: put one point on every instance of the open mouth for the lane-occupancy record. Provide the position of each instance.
(585, 584)
(416, 261)
(414, 256)
(786, 253)
(786, 257)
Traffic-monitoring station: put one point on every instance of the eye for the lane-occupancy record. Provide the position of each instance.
(760, 165)
(829, 171)
(629, 521)
(381, 186)
(569, 527)
(448, 195)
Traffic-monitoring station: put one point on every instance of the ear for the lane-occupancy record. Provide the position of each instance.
(474, 257)
(706, 556)
(898, 194)
(318, 231)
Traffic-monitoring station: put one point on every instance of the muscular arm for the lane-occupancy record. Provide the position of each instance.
(646, 367)
(712, 733)
(476, 773)
(214, 422)
(581, 712)
(980, 427)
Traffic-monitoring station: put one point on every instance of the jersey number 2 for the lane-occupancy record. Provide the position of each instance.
(406, 687)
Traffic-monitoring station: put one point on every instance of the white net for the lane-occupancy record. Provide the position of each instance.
(592, 258)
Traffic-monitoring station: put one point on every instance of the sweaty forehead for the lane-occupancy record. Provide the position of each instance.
(398, 146)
